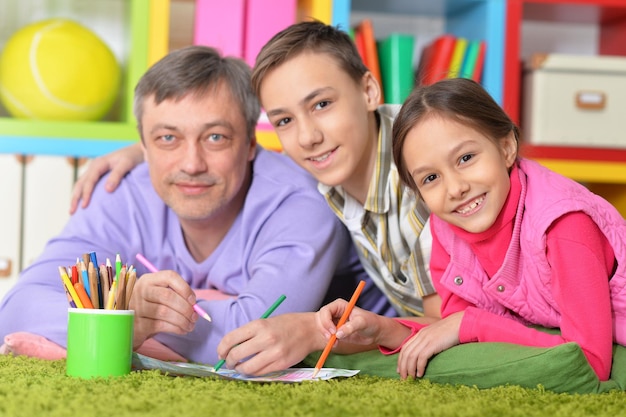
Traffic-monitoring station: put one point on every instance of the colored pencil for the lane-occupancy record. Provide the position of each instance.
(118, 266)
(145, 262)
(111, 297)
(82, 294)
(69, 287)
(342, 320)
(104, 279)
(265, 315)
(85, 275)
(132, 278)
(94, 293)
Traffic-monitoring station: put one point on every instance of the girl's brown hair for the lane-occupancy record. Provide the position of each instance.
(459, 99)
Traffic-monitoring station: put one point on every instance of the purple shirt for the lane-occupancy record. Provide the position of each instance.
(285, 241)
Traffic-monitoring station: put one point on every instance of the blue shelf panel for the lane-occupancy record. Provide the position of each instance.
(87, 148)
(483, 19)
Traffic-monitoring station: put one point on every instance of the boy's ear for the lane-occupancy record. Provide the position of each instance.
(371, 88)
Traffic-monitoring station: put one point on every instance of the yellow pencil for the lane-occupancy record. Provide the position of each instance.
(111, 296)
(69, 287)
(132, 278)
(342, 320)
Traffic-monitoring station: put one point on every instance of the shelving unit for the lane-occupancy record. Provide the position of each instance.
(471, 19)
(86, 139)
(601, 170)
(608, 15)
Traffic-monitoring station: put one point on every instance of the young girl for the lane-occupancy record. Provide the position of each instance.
(514, 244)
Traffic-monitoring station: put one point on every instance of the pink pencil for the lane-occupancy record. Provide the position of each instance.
(153, 268)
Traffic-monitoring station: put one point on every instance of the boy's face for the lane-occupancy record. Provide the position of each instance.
(462, 175)
(323, 118)
(198, 154)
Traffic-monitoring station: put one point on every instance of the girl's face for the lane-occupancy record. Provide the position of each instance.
(462, 175)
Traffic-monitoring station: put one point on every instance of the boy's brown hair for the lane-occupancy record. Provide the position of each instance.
(459, 99)
(308, 36)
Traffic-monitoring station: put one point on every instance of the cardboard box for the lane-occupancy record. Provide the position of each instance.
(574, 100)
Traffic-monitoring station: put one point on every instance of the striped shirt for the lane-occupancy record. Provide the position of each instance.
(390, 231)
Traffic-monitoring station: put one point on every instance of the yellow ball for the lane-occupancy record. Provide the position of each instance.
(57, 69)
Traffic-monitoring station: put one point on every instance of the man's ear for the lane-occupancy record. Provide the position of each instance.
(252, 148)
(143, 149)
(372, 91)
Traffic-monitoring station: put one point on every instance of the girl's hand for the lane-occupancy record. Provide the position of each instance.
(119, 163)
(429, 341)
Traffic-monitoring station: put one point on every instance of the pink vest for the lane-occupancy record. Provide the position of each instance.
(521, 287)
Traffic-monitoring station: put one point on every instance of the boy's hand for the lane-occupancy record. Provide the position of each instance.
(273, 344)
(119, 163)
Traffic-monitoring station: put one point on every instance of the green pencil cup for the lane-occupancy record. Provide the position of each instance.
(99, 342)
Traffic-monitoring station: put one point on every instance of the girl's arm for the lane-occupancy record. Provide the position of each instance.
(582, 263)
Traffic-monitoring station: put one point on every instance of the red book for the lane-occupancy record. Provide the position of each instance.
(436, 56)
(366, 29)
(360, 44)
(480, 62)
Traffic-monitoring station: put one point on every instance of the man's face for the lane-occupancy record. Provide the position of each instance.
(198, 154)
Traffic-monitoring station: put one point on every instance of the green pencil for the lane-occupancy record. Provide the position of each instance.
(265, 315)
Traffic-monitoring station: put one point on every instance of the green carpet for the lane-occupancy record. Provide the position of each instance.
(33, 387)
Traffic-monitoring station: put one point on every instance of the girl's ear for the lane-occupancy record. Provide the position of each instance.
(509, 149)
(371, 88)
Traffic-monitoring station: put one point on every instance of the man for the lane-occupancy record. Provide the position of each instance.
(210, 209)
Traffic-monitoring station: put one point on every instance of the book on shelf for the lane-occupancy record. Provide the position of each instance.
(262, 21)
(341, 14)
(365, 30)
(475, 69)
(220, 25)
(458, 57)
(395, 53)
(448, 56)
(321, 10)
(435, 59)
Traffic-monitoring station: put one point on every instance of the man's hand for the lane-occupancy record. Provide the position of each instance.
(163, 302)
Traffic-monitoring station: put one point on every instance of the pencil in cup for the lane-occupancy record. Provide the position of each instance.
(265, 315)
(145, 262)
(342, 321)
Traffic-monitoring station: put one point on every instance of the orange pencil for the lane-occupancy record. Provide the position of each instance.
(82, 294)
(342, 320)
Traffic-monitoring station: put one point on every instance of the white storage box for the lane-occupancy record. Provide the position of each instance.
(575, 100)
